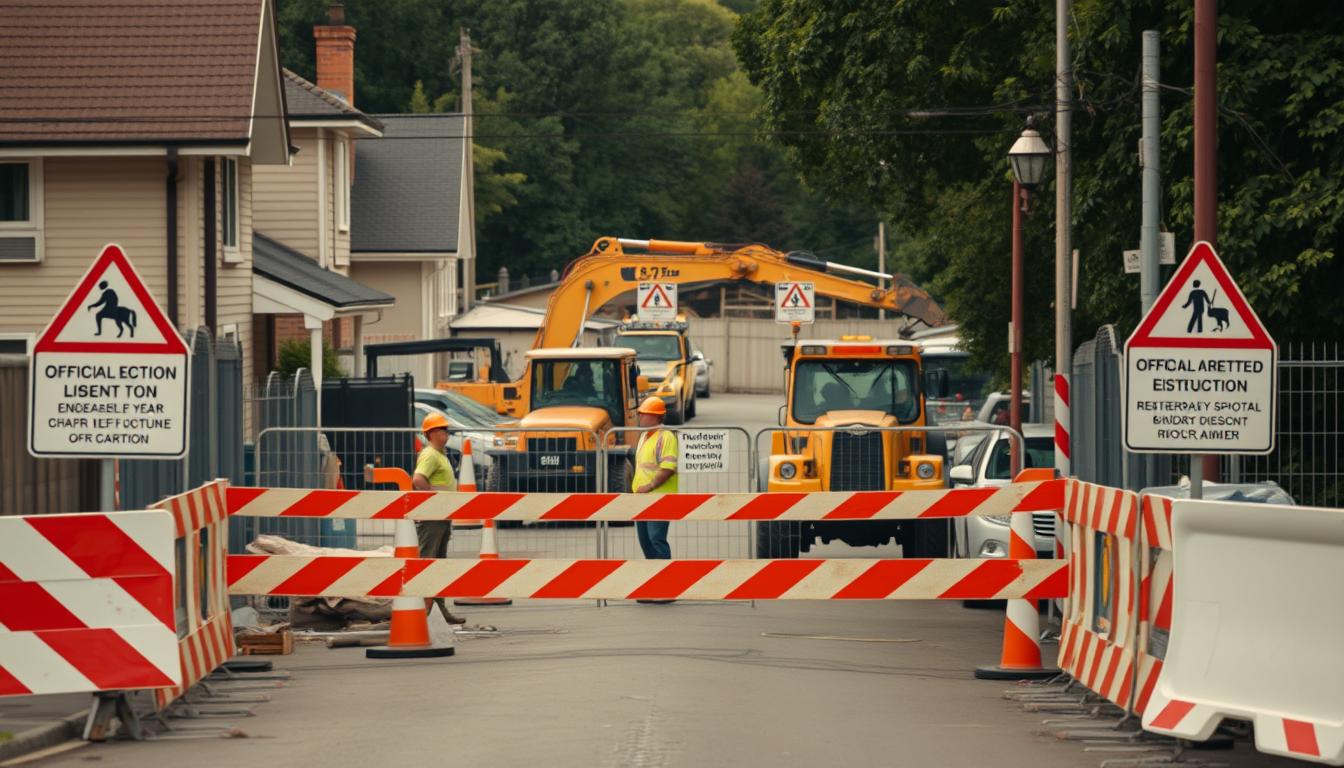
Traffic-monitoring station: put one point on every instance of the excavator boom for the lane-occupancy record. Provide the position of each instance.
(615, 266)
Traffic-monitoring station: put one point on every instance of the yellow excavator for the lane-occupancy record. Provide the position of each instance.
(550, 396)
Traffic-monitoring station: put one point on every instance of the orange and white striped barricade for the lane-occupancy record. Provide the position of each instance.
(204, 622)
(1256, 629)
(1155, 587)
(1021, 655)
(648, 579)
(489, 547)
(86, 603)
(1097, 644)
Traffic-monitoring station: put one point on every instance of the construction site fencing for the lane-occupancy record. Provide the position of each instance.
(711, 459)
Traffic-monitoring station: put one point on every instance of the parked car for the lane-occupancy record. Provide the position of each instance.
(479, 435)
(702, 365)
(989, 464)
(462, 410)
(996, 408)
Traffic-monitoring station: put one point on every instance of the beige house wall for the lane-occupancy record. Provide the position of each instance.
(286, 197)
(403, 280)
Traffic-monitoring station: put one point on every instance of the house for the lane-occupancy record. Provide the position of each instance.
(515, 327)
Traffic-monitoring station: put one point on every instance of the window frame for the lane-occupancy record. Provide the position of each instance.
(342, 181)
(33, 225)
(230, 199)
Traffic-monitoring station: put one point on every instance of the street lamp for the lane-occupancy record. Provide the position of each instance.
(1029, 157)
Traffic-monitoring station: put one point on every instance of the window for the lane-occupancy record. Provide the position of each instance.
(343, 186)
(15, 343)
(1040, 453)
(20, 211)
(821, 386)
(230, 206)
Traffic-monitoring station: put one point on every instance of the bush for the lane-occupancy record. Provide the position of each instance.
(296, 354)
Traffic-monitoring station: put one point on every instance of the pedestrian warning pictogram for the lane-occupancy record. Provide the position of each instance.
(1201, 370)
(795, 302)
(109, 375)
(657, 301)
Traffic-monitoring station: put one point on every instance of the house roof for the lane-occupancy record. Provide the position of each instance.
(307, 101)
(408, 185)
(503, 317)
(292, 269)
(134, 71)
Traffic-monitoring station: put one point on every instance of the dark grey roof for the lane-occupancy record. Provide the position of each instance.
(407, 186)
(306, 101)
(288, 267)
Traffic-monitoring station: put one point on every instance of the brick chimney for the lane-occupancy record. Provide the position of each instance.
(336, 54)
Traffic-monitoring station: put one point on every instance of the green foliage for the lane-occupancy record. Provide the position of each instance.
(841, 81)
(295, 354)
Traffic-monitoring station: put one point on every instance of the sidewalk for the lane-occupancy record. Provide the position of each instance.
(30, 723)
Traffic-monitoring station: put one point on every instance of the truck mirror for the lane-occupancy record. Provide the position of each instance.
(780, 416)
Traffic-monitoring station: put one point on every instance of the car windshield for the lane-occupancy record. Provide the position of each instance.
(660, 347)
(1040, 453)
(822, 386)
(578, 382)
(466, 405)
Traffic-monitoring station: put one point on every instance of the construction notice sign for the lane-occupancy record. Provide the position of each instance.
(1201, 373)
(657, 301)
(795, 302)
(108, 377)
(703, 450)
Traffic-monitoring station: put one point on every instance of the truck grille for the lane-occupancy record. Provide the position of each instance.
(1043, 523)
(857, 462)
(551, 453)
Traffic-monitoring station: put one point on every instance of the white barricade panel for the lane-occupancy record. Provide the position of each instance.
(86, 603)
(1256, 630)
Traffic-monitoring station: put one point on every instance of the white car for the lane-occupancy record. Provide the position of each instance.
(701, 373)
(458, 434)
(989, 465)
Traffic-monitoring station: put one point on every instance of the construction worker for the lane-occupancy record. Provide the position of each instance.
(655, 472)
(433, 472)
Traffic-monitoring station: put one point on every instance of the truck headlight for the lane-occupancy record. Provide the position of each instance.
(925, 470)
(788, 471)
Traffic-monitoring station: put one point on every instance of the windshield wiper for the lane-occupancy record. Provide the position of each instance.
(827, 368)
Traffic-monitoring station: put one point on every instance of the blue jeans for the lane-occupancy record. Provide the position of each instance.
(653, 539)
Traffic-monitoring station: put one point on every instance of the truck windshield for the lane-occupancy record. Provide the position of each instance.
(822, 386)
(659, 347)
(578, 382)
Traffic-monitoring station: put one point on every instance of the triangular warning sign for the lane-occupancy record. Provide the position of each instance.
(111, 310)
(657, 297)
(795, 297)
(1201, 308)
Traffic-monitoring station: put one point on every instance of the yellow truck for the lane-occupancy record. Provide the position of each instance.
(842, 398)
(664, 354)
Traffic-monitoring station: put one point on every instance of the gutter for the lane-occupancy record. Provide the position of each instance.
(170, 204)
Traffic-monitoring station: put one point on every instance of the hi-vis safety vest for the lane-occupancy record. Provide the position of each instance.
(655, 454)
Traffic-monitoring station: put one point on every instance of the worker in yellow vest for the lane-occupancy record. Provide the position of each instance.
(433, 472)
(655, 472)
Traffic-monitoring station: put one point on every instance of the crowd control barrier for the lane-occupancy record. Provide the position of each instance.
(86, 603)
(1256, 630)
(702, 579)
(204, 623)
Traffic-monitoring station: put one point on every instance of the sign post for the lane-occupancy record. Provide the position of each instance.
(1201, 371)
(795, 303)
(108, 378)
(657, 301)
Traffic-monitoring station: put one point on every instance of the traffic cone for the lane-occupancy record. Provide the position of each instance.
(409, 637)
(489, 550)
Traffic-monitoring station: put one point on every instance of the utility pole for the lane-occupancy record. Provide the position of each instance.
(882, 262)
(1206, 172)
(467, 244)
(1015, 335)
(1150, 277)
(1063, 238)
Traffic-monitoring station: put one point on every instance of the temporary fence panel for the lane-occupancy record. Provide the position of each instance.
(710, 459)
(30, 486)
(1255, 629)
(1155, 591)
(204, 625)
(86, 603)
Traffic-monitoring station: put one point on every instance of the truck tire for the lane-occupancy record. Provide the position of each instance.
(690, 408)
(778, 540)
(620, 473)
(926, 538)
(494, 483)
(675, 417)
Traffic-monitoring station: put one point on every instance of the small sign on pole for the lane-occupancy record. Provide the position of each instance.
(1201, 371)
(795, 302)
(108, 378)
(657, 301)
(1166, 256)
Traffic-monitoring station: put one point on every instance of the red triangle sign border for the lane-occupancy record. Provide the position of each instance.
(112, 254)
(1201, 252)
(798, 289)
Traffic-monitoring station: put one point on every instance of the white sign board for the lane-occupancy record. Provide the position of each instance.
(1166, 256)
(657, 301)
(703, 450)
(108, 378)
(795, 302)
(1201, 373)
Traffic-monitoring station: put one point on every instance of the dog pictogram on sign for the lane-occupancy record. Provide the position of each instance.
(657, 301)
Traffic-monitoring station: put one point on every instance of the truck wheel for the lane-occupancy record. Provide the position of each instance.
(494, 483)
(675, 416)
(690, 408)
(926, 538)
(778, 540)
(619, 476)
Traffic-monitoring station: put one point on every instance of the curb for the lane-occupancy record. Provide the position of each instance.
(43, 736)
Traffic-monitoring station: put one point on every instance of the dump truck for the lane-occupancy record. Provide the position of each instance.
(664, 354)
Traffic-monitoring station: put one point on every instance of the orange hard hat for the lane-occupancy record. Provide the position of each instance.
(653, 405)
(434, 421)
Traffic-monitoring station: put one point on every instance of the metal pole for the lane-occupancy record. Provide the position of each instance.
(1015, 406)
(1206, 148)
(881, 262)
(468, 131)
(106, 480)
(1063, 237)
(1150, 277)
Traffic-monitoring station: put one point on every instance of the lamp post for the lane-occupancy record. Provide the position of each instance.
(1029, 156)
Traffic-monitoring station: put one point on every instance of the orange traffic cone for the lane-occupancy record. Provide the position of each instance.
(1021, 657)
(409, 638)
(489, 550)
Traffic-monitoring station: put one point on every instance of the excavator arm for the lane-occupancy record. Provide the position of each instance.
(616, 266)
